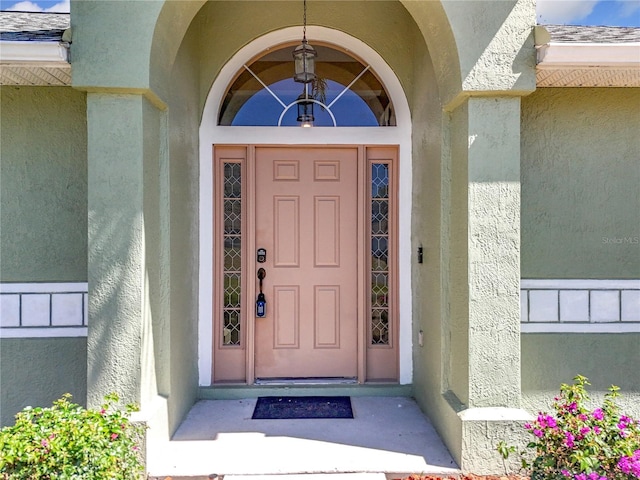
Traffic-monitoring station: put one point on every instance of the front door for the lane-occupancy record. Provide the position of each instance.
(326, 219)
(306, 218)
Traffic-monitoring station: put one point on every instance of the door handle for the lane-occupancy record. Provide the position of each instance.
(261, 301)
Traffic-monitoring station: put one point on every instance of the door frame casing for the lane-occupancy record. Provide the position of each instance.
(211, 134)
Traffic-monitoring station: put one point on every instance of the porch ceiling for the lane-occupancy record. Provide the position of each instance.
(51, 75)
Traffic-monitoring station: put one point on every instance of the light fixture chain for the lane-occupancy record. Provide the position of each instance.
(304, 20)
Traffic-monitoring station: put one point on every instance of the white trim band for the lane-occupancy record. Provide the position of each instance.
(32, 310)
(47, 332)
(43, 287)
(558, 55)
(580, 306)
(580, 328)
(34, 53)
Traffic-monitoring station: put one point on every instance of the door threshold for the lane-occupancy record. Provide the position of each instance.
(293, 381)
(243, 391)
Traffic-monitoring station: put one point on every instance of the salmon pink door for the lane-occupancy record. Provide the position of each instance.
(306, 204)
(325, 218)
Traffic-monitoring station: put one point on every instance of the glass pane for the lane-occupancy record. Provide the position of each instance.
(232, 290)
(232, 183)
(379, 217)
(380, 180)
(364, 103)
(379, 250)
(232, 253)
(379, 290)
(379, 254)
(379, 327)
(231, 328)
(232, 217)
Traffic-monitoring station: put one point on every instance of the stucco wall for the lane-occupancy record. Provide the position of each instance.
(551, 359)
(37, 371)
(43, 184)
(580, 177)
(184, 173)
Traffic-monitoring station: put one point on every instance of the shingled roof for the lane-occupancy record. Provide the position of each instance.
(33, 26)
(573, 33)
(45, 27)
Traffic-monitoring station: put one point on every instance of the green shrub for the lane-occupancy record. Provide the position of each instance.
(579, 443)
(67, 441)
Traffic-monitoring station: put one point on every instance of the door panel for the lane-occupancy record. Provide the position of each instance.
(306, 215)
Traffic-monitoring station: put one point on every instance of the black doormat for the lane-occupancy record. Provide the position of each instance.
(268, 408)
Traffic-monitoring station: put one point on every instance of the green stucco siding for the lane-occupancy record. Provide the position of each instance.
(37, 371)
(580, 177)
(549, 360)
(43, 184)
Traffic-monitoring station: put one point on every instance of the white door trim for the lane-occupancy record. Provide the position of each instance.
(211, 133)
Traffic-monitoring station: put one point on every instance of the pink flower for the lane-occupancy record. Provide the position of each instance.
(597, 430)
(568, 440)
(584, 430)
(583, 417)
(566, 473)
(538, 433)
(580, 476)
(114, 436)
(103, 411)
(527, 426)
(44, 443)
(546, 421)
(572, 407)
(625, 464)
(598, 414)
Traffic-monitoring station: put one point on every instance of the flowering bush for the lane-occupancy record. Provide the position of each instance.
(67, 441)
(581, 444)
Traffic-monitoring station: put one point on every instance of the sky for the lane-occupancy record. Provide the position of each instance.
(621, 13)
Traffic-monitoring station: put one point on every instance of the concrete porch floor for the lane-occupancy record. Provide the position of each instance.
(386, 435)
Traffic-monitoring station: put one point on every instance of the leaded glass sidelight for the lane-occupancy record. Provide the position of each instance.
(379, 228)
(232, 254)
(346, 92)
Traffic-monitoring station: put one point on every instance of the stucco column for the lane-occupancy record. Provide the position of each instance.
(494, 251)
(485, 346)
(123, 137)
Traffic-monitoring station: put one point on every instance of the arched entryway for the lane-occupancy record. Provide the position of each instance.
(151, 120)
(242, 356)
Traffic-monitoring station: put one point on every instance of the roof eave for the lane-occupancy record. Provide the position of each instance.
(555, 55)
(36, 53)
(574, 64)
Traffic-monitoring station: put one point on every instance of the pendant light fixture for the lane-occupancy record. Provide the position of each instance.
(304, 59)
(304, 55)
(305, 109)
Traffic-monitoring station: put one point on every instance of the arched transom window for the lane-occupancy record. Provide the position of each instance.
(346, 93)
